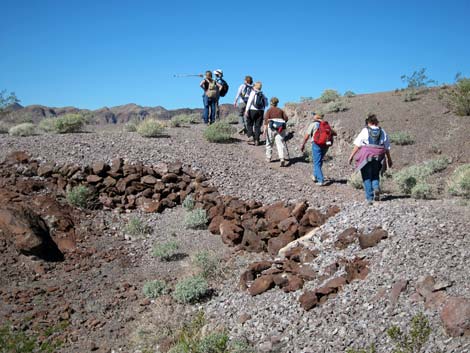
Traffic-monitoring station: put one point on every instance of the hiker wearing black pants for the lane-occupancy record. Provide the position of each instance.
(254, 112)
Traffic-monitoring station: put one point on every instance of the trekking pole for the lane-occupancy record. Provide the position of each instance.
(187, 75)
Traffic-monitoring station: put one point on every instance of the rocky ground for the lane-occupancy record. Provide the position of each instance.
(419, 267)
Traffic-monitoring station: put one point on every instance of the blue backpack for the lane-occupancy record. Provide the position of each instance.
(375, 135)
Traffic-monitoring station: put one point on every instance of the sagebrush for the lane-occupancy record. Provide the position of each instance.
(166, 251)
(135, 226)
(329, 95)
(459, 96)
(191, 290)
(188, 203)
(79, 196)
(208, 263)
(69, 123)
(154, 289)
(459, 182)
(401, 138)
(150, 128)
(196, 219)
(219, 132)
(23, 130)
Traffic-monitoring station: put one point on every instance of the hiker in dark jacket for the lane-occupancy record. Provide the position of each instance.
(275, 129)
(318, 150)
(254, 112)
(220, 81)
(372, 155)
(209, 98)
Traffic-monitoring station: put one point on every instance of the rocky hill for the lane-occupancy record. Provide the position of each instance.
(114, 115)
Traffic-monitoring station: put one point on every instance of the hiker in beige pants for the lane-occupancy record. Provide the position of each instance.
(275, 129)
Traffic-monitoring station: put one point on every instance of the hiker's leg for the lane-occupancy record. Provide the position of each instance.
(212, 103)
(249, 123)
(217, 110)
(269, 144)
(317, 162)
(281, 147)
(205, 114)
(375, 174)
(366, 173)
(258, 123)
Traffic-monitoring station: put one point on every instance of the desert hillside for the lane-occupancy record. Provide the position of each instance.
(115, 242)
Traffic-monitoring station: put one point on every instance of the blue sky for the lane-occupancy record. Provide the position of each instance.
(91, 54)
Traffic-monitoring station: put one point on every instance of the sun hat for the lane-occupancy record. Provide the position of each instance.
(218, 72)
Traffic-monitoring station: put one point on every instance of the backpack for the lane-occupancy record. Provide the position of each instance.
(277, 125)
(223, 91)
(323, 136)
(374, 136)
(259, 102)
(212, 89)
(246, 92)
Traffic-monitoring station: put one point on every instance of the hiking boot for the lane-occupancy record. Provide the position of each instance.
(369, 202)
(376, 195)
(257, 143)
(242, 131)
(314, 179)
(319, 183)
(268, 159)
(283, 163)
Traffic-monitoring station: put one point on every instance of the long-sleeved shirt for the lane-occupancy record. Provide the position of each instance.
(275, 113)
(240, 97)
(250, 104)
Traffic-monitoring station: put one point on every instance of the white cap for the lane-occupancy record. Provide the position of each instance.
(218, 72)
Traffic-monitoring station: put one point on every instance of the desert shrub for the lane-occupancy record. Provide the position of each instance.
(4, 128)
(220, 131)
(150, 128)
(166, 251)
(47, 125)
(437, 165)
(306, 99)
(215, 342)
(410, 95)
(334, 107)
(355, 180)
(459, 181)
(421, 190)
(78, 196)
(415, 339)
(196, 219)
(349, 94)
(69, 123)
(232, 119)
(188, 203)
(14, 341)
(307, 153)
(180, 120)
(329, 95)
(25, 129)
(130, 126)
(208, 262)
(418, 79)
(402, 138)
(191, 289)
(459, 96)
(371, 349)
(135, 226)
(154, 289)
(407, 178)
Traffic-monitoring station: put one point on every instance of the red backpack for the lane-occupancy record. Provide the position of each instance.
(323, 136)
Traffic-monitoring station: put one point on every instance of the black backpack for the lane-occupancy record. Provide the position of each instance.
(259, 102)
(374, 136)
(223, 91)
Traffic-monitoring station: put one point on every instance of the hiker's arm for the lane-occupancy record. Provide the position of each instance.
(354, 151)
(302, 146)
(389, 159)
(284, 116)
(237, 97)
(248, 104)
(202, 85)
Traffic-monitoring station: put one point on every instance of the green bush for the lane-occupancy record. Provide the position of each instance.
(78, 196)
(349, 94)
(334, 107)
(188, 203)
(131, 126)
(215, 342)
(25, 129)
(191, 289)
(232, 119)
(218, 132)
(371, 349)
(196, 219)
(69, 123)
(437, 165)
(4, 128)
(415, 340)
(401, 138)
(407, 178)
(421, 190)
(154, 289)
(166, 251)
(180, 120)
(47, 125)
(459, 97)
(459, 181)
(329, 95)
(208, 263)
(417, 80)
(150, 128)
(14, 341)
(410, 95)
(135, 226)
(355, 180)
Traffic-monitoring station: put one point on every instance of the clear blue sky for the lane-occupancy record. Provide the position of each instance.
(98, 53)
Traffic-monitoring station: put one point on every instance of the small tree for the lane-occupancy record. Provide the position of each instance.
(6, 101)
(459, 96)
(417, 80)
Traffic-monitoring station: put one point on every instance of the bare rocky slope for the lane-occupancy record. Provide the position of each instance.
(364, 269)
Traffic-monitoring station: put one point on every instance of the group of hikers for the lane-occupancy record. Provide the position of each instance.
(371, 150)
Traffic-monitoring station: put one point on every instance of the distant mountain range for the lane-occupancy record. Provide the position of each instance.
(16, 113)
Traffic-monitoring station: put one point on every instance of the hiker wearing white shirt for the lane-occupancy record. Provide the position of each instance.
(254, 112)
(242, 98)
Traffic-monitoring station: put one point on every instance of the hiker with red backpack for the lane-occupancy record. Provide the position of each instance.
(209, 98)
(254, 112)
(275, 129)
(223, 89)
(321, 134)
(372, 155)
